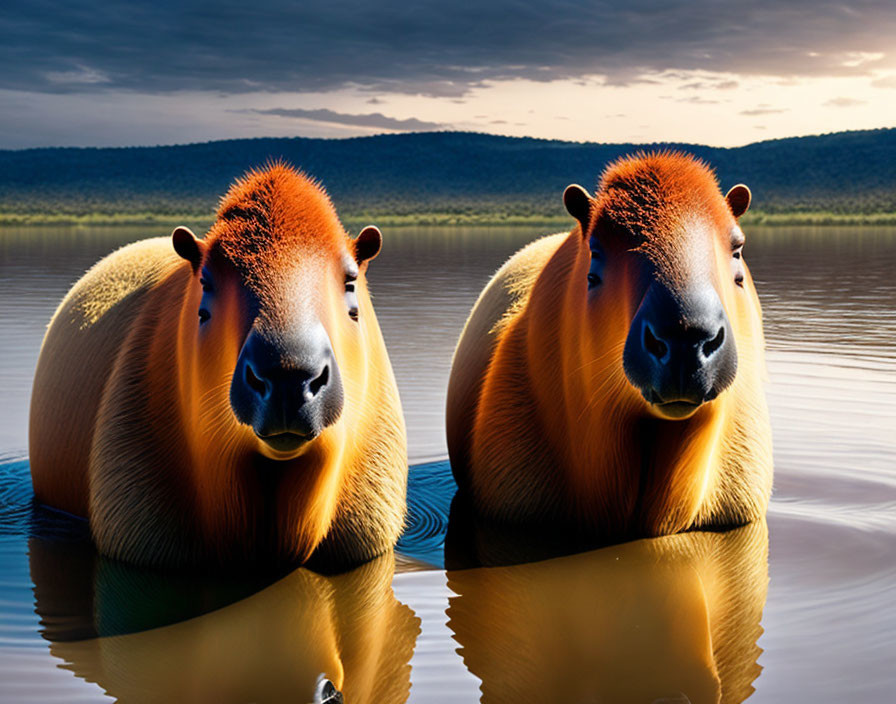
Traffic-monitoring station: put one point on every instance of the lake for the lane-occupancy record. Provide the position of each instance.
(805, 612)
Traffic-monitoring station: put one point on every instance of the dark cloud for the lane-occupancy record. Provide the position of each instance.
(430, 46)
(843, 102)
(376, 119)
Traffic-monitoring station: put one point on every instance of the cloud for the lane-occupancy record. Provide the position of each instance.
(726, 85)
(859, 58)
(697, 100)
(375, 120)
(709, 85)
(79, 75)
(433, 48)
(843, 102)
(885, 82)
(762, 110)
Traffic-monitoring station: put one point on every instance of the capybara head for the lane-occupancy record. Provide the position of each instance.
(279, 300)
(666, 247)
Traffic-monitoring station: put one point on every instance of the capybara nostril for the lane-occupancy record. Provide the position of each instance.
(712, 346)
(655, 346)
(315, 385)
(254, 382)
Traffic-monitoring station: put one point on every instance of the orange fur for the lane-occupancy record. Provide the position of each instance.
(131, 423)
(543, 424)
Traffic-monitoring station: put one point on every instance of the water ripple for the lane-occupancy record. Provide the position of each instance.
(430, 490)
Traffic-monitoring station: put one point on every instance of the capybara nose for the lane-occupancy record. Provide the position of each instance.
(705, 343)
(680, 350)
(307, 384)
(287, 386)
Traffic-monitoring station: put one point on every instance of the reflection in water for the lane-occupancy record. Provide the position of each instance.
(830, 322)
(271, 646)
(672, 619)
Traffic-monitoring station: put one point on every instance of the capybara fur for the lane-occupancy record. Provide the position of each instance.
(228, 399)
(608, 382)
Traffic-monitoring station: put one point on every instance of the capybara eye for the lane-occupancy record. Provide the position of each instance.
(351, 299)
(204, 304)
(595, 270)
(737, 256)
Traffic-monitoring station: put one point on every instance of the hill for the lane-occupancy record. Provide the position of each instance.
(434, 176)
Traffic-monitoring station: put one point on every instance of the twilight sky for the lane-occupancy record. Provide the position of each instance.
(91, 73)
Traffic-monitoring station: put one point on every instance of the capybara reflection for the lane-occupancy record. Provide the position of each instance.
(230, 398)
(608, 382)
(668, 619)
(104, 620)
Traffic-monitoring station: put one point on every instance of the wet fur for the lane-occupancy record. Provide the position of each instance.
(131, 425)
(543, 426)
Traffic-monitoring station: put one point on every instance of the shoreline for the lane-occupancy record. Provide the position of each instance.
(423, 219)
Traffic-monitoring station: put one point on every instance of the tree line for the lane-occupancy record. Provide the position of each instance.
(451, 173)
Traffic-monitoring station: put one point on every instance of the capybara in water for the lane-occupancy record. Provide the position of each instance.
(608, 382)
(230, 398)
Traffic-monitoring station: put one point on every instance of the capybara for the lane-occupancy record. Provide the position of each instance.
(668, 619)
(608, 382)
(230, 398)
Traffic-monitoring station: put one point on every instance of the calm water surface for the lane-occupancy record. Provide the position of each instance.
(805, 612)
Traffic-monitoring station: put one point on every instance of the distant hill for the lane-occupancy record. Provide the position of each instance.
(455, 174)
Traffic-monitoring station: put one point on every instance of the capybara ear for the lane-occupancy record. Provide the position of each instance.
(739, 199)
(578, 204)
(368, 244)
(187, 245)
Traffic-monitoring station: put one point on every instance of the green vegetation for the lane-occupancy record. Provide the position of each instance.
(437, 178)
(202, 223)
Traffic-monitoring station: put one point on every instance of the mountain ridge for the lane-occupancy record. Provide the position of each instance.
(464, 174)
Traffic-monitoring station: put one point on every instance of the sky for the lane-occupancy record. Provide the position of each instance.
(143, 72)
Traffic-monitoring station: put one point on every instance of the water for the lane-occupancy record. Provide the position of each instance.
(806, 614)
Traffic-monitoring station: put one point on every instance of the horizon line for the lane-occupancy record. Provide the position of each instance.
(414, 133)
